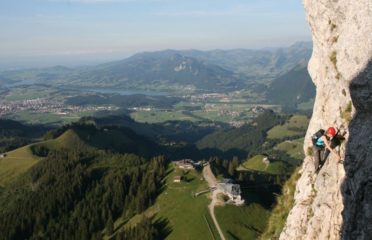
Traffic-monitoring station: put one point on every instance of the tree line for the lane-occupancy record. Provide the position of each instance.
(245, 140)
(14, 134)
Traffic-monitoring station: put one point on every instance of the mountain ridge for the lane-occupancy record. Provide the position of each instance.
(292, 88)
(216, 70)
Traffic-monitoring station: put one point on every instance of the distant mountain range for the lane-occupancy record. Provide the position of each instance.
(254, 63)
(216, 70)
(157, 69)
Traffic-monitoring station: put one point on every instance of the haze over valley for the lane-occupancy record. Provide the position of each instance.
(226, 84)
(151, 119)
(223, 109)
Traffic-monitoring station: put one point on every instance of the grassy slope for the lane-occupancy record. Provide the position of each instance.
(245, 222)
(20, 160)
(293, 148)
(282, 131)
(68, 139)
(284, 202)
(15, 163)
(186, 214)
(255, 163)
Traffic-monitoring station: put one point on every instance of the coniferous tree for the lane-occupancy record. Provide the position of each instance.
(231, 169)
(110, 226)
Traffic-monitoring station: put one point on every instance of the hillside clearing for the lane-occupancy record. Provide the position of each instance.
(21, 159)
(294, 127)
(242, 222)
(15, 163)
(187, 216)
(294, 148)
(256, 164)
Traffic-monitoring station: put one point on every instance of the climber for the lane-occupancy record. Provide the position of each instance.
(323, 144)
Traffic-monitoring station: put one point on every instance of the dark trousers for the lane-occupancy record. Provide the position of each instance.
(321, 154)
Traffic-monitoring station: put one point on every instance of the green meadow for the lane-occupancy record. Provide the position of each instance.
(15, 163)
(243, 222)
(294, 127)
(187, 216)
(255, 163)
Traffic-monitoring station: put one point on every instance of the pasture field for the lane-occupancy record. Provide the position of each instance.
(255, 163)
(15, 163)
(187, 217)
(243, 222)
(293, 148)
(295, 127)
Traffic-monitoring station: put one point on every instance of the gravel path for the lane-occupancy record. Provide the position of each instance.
(212, 182)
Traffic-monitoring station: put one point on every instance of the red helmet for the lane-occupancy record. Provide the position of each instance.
(331, 131)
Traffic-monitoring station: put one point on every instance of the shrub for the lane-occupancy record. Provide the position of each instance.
(333, 58)
(346, 113)
(309, 151)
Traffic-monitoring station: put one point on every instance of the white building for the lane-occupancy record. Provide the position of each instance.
(231, 190)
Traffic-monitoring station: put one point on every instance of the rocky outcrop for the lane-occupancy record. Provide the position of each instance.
(337, 203)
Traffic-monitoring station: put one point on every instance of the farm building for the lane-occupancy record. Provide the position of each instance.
(185, 164)
(177, 179)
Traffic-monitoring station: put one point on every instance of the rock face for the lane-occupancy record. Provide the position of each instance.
(337, 203)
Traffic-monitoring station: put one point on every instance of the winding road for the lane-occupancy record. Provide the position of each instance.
(212, 182)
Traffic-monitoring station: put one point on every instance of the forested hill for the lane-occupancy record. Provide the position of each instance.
(175, 130)
(14, 134)
(243, 140)
(78, 195)
(86, 179)
(87, 135)
(292, 88)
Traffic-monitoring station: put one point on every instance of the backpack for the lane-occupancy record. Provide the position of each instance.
(317, 135)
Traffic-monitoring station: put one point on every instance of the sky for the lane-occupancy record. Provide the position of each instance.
(68, 32)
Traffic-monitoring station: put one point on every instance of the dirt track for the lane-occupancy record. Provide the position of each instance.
(212, 182)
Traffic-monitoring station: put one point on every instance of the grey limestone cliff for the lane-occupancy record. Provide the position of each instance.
(337, 203)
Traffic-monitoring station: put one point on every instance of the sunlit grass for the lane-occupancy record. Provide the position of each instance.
(295, 126)
(15, 163)
(186, 214)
